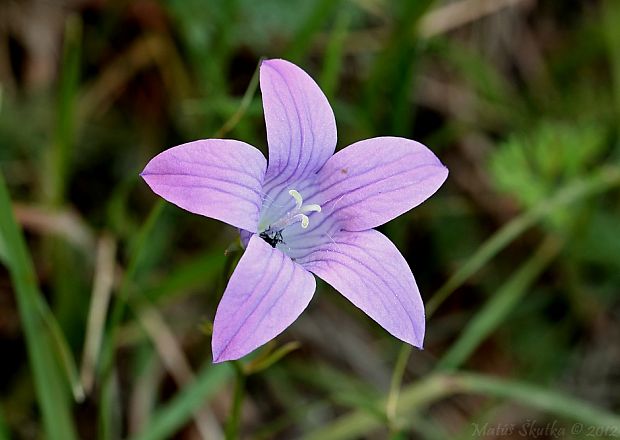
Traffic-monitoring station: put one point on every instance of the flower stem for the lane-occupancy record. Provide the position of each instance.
(234, 419)
(395, 384)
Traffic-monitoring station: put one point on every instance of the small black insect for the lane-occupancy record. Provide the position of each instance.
(273, 238)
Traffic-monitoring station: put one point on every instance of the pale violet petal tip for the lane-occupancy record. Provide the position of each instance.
(301, 128)
(368, 270)
(217, 178)
(266, 293)
(375, 180)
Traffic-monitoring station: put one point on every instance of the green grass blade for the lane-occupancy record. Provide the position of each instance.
(64, 135)
(168, 419)
(4, 428)
(109, 421)
(611, 15)
(332, 65)
(533, 396)
(195, 272)
(435, 387)
(390, 83)
(51, 394)
(603, 180)
(109, 405)
(62, 350)
(313, 23)
(396, 381)
(498, 306)
(64, 283)
(236, 117)
(3, 255)
(119, 308)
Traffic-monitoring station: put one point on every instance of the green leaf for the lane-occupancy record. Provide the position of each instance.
(611, 15)
(172, 416)
(269, 358)
(332, 64)
(433, 388)
(108, 350)
(4, 429)
(496, 309)
(313, 22)
(531, 165)
(602, 180)
(199, 271)
(51, 394)
(64, 136)
(3, 252)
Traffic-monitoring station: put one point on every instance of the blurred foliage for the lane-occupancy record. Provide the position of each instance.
(106, 303)
(531, 166)
(554, 153)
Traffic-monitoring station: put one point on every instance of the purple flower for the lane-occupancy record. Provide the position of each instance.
(308, 211)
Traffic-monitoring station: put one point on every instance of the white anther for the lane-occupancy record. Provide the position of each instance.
(297, 214)
(299, 203)
(298, 199)
(311, 208)
(305, 221)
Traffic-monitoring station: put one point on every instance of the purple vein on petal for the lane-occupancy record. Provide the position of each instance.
(368, 269)
(265, 294)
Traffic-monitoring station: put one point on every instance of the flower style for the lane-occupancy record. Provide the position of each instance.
(308, 211)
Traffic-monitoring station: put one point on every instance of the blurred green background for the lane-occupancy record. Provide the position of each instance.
(107, 293)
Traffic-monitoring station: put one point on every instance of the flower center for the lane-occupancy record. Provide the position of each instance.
(273, 233)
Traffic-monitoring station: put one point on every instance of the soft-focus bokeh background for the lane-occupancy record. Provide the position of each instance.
(105, 312)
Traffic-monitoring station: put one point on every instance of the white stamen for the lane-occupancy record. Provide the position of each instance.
(296, 214)
(305, 221)
(310, 208)
(298, 199)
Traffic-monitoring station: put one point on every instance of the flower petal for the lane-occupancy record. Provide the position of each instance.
(301, 129)
(375, 180)
(265, 294)
(217, 178)
(370, 272)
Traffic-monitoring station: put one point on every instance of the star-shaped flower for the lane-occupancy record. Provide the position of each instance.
(308, 211)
